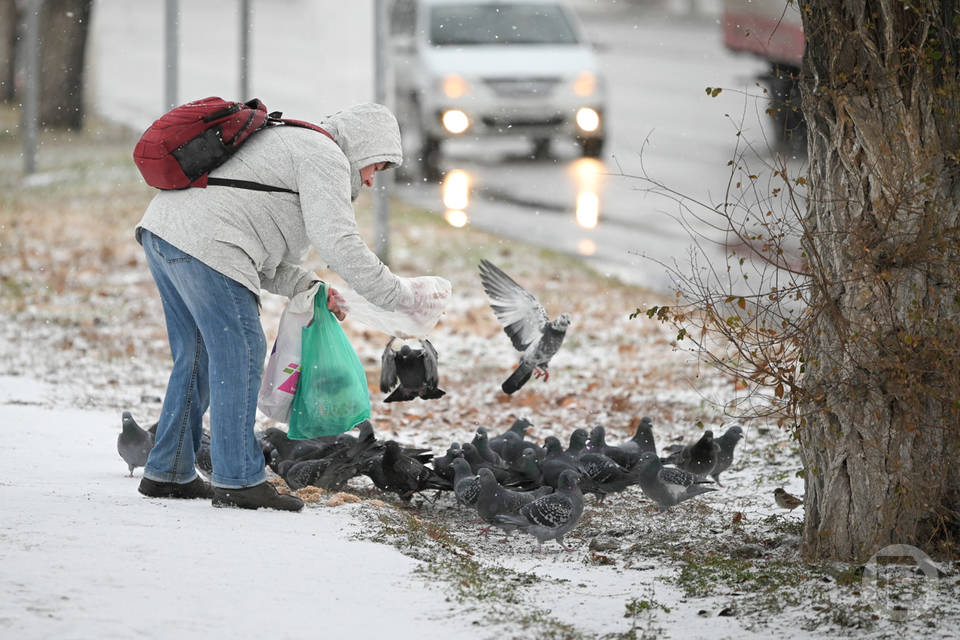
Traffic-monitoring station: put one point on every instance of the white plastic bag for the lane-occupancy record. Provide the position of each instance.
(431, 295)
(282, 373)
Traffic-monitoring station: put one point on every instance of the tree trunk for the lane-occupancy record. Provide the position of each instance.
(8, 48)
(63, 37)
(881, 405)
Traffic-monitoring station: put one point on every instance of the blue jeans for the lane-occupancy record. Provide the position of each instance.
(218, 348)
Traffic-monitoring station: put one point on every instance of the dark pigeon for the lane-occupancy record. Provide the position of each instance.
(727, 443)
(519, 428)
(597, 443)
(665, 485)
(406, 476)
(556, 462)
(550, 517)
(578, 443)
(134, 442)
(698, 458)
(416, 371)
(481, 442)
(503, 475)
(442, 464)
(526, 323)
(531, 476)
(642, 440)
(495, 500)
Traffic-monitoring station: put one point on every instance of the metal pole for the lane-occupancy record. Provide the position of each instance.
(31, 89)
(171, 46)
(382, 179)
(245, 20)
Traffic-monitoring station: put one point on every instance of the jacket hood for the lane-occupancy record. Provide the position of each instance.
(366, 133)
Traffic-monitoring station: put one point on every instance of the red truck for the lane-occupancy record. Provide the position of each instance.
(772, 30)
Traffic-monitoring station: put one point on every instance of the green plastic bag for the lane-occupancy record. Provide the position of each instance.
(332, 394)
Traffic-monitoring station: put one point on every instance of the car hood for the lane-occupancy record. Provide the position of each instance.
(512, 60)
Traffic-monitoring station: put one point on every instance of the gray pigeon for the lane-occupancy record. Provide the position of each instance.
(414, 373)
(134, 442)
(597, 443)
(495, 500)
(466, 485)
(727, 442)
(642, 440)
(525, 321)
(698, 458)
(550, 517)
(665, 485)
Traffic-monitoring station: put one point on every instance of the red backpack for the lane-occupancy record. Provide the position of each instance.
(190, 141)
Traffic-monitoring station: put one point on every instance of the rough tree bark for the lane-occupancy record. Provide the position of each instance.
(63, 31)
(881, 439)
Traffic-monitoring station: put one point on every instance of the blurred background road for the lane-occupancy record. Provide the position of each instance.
(313, 57)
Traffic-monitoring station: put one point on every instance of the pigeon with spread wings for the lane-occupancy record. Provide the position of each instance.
(526, 322)
(414, 373)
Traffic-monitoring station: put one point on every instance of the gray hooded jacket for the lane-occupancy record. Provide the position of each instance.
(260, 238)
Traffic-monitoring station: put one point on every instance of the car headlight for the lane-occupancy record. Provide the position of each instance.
(455, 121)
(585, 84)
(588, 119)
(454, 86)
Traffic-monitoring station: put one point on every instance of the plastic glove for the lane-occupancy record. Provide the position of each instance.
(415, 317)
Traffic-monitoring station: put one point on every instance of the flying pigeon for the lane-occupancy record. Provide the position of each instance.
(134, 442)
(525, 321)
(550, 516)
(642, 440)
(416, 370)
(786, 500)
(665, 485)
(727, 442)
(698, 458)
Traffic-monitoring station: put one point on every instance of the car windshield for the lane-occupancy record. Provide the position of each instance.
(485, 24)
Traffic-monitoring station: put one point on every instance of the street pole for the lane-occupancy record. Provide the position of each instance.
(31, 87)
(245, 20)
(172, 43)
(382, 179)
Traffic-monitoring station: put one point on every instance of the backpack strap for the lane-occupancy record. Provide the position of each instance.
(245, 184)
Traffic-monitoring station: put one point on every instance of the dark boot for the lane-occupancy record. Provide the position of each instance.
(260, 495)
(196, 488)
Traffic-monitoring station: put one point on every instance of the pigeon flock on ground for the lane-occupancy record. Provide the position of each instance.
(511, 482)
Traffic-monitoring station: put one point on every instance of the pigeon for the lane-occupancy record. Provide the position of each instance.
(551, 516)
(603, 475)
(642, 440)
(481, 442)
(494, 500)
(416, 370)
(531, 476)
(698, 458)
(519, 428)
(557, 461)
(526, 323)
(134, 442)
(442, 464)
(786, 500)
(466, 484)
(727, 442)
(202, 458)
(578, 443)
(406, 476)
(503, 475)
(665, 485)
(597, 443)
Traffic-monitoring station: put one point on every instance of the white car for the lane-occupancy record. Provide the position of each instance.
(485, 68)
